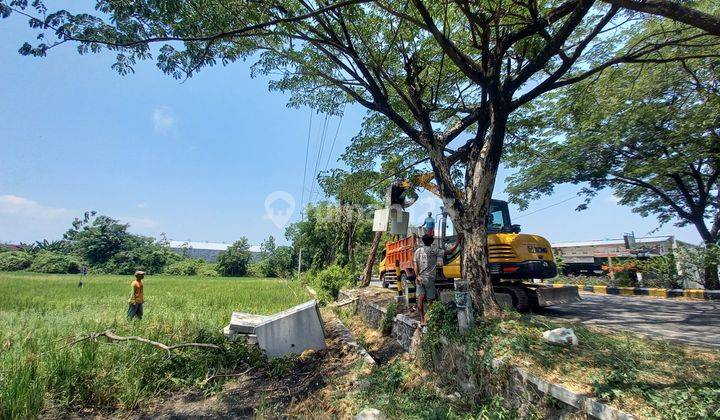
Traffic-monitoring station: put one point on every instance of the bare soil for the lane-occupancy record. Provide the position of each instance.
(302, 391)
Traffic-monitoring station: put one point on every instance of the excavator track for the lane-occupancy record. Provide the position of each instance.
(519, 296)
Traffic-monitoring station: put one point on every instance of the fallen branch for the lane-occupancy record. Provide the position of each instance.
(111, 336)
(211, 376)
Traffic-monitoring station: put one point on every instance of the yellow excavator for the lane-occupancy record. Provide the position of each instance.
(514, 259)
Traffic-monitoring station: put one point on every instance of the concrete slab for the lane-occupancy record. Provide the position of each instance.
(292, 331)
(244, 323)
(233, 336)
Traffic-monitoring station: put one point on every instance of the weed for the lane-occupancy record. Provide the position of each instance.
(386, 325)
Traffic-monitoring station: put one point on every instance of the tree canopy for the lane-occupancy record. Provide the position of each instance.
(649, 133)
(441, 79)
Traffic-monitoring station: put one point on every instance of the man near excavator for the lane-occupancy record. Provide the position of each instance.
(425, 264)
(429, 225)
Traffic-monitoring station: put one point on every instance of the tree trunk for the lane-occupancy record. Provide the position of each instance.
(480, 177)
(711, 277)
(711, 281)
(367, 274)
(710, 238)
(475, 270)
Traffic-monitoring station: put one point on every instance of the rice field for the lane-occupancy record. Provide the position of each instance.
(40, 314)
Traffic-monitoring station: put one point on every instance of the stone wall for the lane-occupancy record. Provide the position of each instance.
(521, 390)
(404, 327)
(404, 331)
(372, 313)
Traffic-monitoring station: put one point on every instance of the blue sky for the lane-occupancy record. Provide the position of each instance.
(195, 160)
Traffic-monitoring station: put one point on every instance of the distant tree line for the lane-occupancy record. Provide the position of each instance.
(105, 245)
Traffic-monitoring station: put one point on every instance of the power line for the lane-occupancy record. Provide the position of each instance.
(547, 207)
(307, 152)
(404, 169)
(318, 159)
(332, 146)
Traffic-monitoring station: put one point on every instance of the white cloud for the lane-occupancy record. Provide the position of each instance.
(163, 119)
(614, 199)
(21, 206)
(141, 205)
(26, 220)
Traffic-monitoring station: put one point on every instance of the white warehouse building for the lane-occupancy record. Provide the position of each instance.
(208, 251)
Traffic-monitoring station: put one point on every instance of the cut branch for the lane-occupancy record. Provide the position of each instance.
(111, 336)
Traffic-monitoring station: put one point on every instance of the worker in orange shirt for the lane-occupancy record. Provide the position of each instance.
(135, 307)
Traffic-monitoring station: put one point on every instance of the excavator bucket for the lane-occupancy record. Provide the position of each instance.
(550, 296)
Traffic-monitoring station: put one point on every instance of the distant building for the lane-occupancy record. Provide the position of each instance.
(11, 247)
(588, 257)
(208, 251)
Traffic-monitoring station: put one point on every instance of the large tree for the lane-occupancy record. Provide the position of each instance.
(431, 70)
(649, 133)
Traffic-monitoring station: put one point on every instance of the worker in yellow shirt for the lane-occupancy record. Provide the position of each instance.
(135, 308)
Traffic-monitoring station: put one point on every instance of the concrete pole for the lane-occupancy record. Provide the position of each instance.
(299, 262)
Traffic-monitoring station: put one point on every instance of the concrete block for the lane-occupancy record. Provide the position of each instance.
(675, 293)
(233, 336)
(656, 292)
(695, 293)
(244, 323)
(712, 294)
(447, 296)
(600, 289)
(292, 331)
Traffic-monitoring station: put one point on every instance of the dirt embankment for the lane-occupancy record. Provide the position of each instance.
(308, 387)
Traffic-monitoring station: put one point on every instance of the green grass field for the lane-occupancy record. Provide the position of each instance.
(40, 314)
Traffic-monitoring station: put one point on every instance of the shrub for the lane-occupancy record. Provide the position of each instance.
(192, 267)
(15, 260)
(152, 258)
(328, 282)
(50, 262)
(207, 270)
(660, 271)
(257, 269)
(234, 261)
(187, 267)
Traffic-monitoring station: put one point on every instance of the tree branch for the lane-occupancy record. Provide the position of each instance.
(673, 10)
(212, 37)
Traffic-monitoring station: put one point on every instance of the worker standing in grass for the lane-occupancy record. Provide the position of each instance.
(135, 307)
(425, 262)
(429, 225)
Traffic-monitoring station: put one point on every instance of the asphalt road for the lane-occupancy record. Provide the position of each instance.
(683, 321)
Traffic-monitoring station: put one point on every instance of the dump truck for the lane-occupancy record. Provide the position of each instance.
(514, 259)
